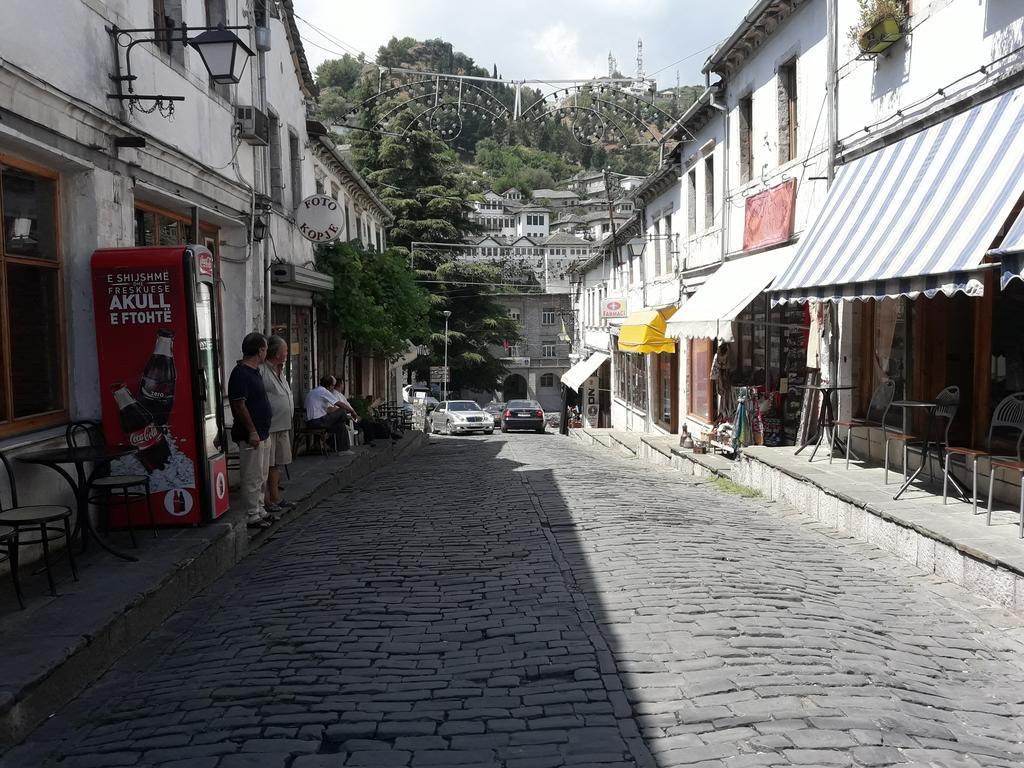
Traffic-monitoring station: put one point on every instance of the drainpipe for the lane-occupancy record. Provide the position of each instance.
(832, 84)
(264, 183)
(726, 208)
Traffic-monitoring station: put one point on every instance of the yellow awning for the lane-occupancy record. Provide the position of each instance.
(644, 331)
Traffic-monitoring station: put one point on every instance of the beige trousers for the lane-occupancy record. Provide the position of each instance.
(254, 463)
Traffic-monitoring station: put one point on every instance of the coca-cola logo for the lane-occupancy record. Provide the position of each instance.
(145, 437)
(206, 264)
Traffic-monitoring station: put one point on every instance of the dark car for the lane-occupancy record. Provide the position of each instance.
(495, 409)
(522, 414)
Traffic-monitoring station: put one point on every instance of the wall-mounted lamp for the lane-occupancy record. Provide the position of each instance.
(223, 53)
(259, 227)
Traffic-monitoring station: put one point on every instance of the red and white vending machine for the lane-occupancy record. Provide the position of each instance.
(157, 338)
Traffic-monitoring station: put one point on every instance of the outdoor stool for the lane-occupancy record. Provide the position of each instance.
(968, 453)
(878, 411)
(123, 490)
(1007, 416)
(1018, 467)
(9, 538)
(111, 489)
(39, 520)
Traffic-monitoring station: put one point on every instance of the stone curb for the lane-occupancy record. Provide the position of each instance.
(21, 711)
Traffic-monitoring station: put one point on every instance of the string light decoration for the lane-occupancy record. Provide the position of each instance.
(605, 111)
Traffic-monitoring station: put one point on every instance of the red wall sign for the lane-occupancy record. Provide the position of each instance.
(768, 218)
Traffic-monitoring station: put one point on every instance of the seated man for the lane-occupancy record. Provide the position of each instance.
(324, 411)
(373, 428)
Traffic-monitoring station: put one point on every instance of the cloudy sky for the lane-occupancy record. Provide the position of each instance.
(533, 38)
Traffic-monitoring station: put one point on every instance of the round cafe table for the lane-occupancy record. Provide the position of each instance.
(56, 458)
(826, 416)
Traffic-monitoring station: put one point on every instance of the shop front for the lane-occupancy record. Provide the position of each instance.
(293, 318)
(585, 378)
(644, 398)
(739, 351)
(903, 250)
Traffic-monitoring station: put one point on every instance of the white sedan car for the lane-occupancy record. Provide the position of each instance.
(456, 417)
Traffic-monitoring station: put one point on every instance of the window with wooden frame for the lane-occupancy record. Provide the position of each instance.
(33, 368)
(701, 403)
(709, 192)
(295, 165)
(745, 116)
(691, 202)
(167, 20)
(657, 247)
(787, 112)
(276, 169)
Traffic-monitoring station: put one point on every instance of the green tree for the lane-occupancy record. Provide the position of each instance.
(376, 302)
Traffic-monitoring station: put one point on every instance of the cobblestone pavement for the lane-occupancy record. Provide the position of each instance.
(529, 602)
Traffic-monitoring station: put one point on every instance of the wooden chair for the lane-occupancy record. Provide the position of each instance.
(878, 411)
(107, 490)
(314, 437)
(35, 524)
(1008, 415)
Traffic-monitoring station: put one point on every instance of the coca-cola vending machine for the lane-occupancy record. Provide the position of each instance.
(158, 344)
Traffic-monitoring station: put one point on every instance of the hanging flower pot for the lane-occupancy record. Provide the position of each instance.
(880, 36)
(880, 24)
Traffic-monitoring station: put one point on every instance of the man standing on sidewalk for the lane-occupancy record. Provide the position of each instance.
(251, 428)
(282, 408)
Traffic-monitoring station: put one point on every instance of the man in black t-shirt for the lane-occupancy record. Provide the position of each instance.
(251, 428)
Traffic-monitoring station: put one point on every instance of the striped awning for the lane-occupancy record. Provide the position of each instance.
(1010, 253)
(915, 217)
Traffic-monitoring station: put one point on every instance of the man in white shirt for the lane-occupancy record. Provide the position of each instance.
(323, 410)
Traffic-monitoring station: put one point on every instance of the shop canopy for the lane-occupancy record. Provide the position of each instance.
(644, 331)
(918, 215)
(583, 370)
(709, 313)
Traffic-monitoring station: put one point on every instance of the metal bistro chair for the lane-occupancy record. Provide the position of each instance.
(105, 489)
(878, 411)
(1008, 415)
(36, 524)
(946, 404)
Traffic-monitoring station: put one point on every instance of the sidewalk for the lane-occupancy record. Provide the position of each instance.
(56, 647)
(945, 540)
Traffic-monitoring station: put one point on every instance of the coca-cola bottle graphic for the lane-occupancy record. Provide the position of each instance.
(156, 393)
(143, 434)
(179, 503)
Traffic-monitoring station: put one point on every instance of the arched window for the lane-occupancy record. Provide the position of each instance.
(547, 380)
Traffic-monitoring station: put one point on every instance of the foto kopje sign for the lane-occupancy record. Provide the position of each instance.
(320, 218)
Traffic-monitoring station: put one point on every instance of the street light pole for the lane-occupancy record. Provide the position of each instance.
(447, 313)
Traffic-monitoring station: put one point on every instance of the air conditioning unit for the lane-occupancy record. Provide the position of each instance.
(303, 278)
(253, 126)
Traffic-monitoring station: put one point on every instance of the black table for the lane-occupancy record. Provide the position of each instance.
(80, 456)
(826, 416)
(930, 406)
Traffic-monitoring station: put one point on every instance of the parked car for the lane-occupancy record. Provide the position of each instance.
(522, 414)
(495, 409)
(454, 417)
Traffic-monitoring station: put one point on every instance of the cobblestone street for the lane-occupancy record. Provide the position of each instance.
(524, 601)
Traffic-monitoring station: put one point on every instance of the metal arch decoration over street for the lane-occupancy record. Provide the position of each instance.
(596, 110)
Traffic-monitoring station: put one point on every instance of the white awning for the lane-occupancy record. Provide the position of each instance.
(709, 313)
(915, 217)
(583, 370)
